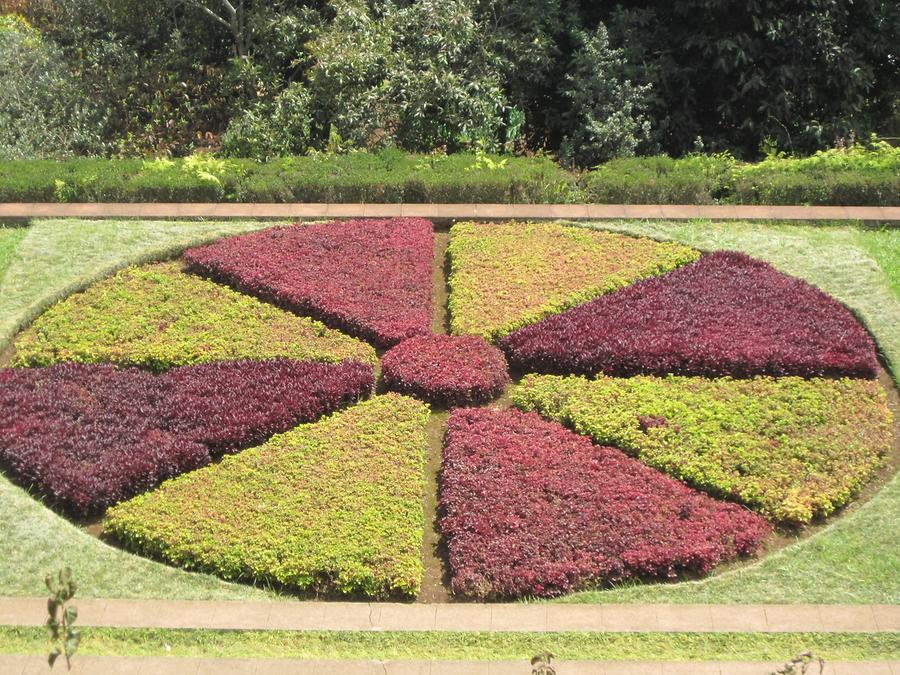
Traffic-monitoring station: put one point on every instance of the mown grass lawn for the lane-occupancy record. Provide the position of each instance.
(854, 560)
(428, 645)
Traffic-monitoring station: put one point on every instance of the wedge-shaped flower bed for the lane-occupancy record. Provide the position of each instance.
(788, 447)
(334, 506)
(726, 314)
(446, 370)
(87, 436)
(158, 317)
(371, 278)
(531, 508)
(509, 275)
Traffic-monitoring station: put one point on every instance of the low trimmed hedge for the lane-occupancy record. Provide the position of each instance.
(158, 317)
(531, 508)
(791, 448)
(388, 177)
(508, 275)
(335, 506)
(88, 436)
(860, 175)
(725, 314)
(855, 176)
(370, 277)
(446, 370)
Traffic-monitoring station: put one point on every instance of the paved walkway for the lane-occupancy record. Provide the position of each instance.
(350, 616)
(108, 665)
(450, 211)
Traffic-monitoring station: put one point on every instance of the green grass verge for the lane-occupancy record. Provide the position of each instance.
(428, 645)
(9, 241)
(884, 248)
(855, 558)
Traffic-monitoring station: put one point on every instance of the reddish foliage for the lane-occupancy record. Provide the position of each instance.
(530, 508)
(371, 278)
(445, 370)
(89, 436)
(726, 314)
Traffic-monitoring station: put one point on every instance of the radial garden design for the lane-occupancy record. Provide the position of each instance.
(663, 410)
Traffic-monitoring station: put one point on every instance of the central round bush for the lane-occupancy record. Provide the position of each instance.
(446, 370)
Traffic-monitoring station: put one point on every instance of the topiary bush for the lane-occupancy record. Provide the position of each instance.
(330, 507)
(792, 449)
(88, 436)
(158, 317)
(504, 276)
(446, 371)
(726, 314)
(371, 278)
(530, 508)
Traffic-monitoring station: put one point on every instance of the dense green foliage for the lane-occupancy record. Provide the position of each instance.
(330, 506)
(588, 79)
(788, 447)
(504, 276)
(158, 317)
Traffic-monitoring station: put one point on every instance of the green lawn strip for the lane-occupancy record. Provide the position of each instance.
(55, 258)
(333, 506)
(855, 558)
(435, 645)
(884, 248)
(505, 276)
(9, 241)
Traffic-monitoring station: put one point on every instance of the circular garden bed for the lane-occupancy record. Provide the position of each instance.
(670, 409)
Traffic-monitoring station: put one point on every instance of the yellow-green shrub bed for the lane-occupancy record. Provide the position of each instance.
(158, 317)
(791, 448)
(335, 506)
(505, 276)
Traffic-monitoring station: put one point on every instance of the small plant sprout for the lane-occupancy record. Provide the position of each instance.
(541, 664)
(64, 639)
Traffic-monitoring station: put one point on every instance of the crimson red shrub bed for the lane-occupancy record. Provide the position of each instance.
(88, 436)
(726, 314)
(531, 508)
(445, 370)
(371, 278)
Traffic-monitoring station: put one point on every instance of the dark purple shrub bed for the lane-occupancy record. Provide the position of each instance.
(530, 508)
(88, 436)
(371, 278)
(446, 370)
(726, 314)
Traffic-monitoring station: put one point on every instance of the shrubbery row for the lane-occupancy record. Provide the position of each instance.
(334, 506)
(387, 177)
(531, 508)
(446, 371)
(371, 278)
(852, 176)
(726, 314)
(503, 276)
(88, 436)
(158, 317)
(791, 448)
